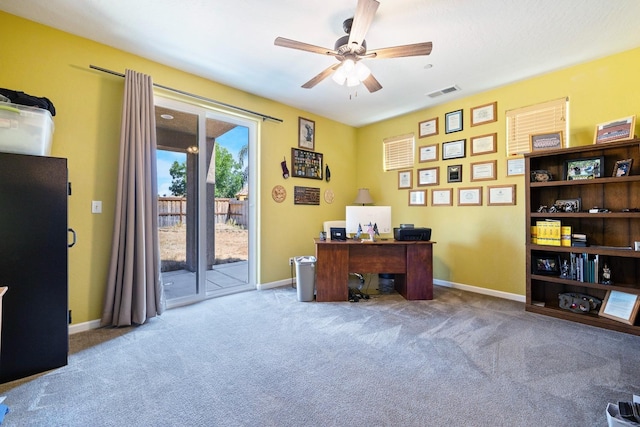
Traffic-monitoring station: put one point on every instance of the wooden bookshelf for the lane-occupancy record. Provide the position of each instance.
(610, 235)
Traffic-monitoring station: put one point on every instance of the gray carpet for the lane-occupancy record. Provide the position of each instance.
(262, 358)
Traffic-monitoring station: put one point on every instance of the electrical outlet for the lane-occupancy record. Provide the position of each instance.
(291, 261)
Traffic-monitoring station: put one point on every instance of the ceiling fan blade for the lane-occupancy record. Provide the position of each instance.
(321, 76)
(372, 84)
(401, 51)
(293, 44)
(365, 11)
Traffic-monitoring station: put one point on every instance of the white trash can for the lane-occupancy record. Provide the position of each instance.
(305, 277)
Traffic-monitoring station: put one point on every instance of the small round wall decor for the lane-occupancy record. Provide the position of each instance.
(279, 193)
(328, 195)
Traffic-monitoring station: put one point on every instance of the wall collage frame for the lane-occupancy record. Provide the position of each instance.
(427, 191)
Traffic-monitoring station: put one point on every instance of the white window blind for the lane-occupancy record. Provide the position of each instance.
(550, 116)
(398, 152)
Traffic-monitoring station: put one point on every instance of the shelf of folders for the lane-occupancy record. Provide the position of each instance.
(551, 232)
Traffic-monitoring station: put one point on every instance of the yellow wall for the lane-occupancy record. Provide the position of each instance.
(484, 246)
(477, 246)
(45, 62)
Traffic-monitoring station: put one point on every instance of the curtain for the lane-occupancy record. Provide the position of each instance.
(134, 286)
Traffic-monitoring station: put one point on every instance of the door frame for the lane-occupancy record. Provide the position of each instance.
(205, 112)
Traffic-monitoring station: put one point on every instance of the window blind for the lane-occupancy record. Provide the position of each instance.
(550, 116)
(398, 152)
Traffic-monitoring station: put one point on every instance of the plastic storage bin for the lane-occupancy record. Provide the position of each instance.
(25, 130)
(305, 277)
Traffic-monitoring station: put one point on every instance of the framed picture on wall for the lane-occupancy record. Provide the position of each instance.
(428, 176)
(471, 196)
(428, 127)
(417, 198)
(484, 114)
(306, 133)
(483, 144)
(442, 197)
(405, 179)
(453, 121)
(428, 153)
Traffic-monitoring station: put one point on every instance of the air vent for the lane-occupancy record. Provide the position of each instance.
(444, 91)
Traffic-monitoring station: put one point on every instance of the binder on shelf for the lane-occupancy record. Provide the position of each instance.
(549, 232)
(534, 234)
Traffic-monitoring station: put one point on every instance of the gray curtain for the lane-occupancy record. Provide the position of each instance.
(134, 288)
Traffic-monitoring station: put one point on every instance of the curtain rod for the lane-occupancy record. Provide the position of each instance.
(202, 98)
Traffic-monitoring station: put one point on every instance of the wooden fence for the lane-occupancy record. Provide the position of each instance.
(173, 211)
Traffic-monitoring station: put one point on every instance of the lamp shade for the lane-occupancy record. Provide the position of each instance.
(363, 197)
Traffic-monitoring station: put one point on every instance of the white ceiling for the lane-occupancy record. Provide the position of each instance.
(477, 44)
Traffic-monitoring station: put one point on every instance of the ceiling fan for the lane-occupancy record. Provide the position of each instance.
(352, 48)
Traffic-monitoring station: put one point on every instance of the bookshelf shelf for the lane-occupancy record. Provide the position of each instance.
(610, 235)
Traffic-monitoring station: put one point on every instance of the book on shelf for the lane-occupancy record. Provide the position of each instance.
(579, 239)
(549, 232)
(565, 235)
(584, 267)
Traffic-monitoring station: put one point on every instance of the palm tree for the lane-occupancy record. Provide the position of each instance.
(242, 154)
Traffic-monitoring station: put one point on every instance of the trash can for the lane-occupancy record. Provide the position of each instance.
(305, 277)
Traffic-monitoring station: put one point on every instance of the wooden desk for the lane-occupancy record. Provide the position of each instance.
(411, 263)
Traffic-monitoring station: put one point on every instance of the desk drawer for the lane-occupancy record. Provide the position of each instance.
(373, 258)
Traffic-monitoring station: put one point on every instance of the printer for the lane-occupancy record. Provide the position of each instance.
(412, 233)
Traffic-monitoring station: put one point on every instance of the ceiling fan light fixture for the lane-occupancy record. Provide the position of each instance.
(339, 76)
(352, 80)
(362, 71)
(348, 65)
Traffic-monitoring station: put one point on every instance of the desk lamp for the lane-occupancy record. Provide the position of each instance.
(363, 197)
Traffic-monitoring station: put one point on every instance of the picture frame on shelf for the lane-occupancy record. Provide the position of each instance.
(501, 195)
(428, 176)
(306, 134)
(417, 198)
(454, 173)
(454, 149)
(428, 153)
(615, 130)
(482, 114)
(483, 144)
(620, 306)
(470, 196)
(545, 264)
(622, 167)
(546, 141)
(405, 179)
(453, 121)
(484, 171)
(586, 168)
(442, 197)
(428, 128)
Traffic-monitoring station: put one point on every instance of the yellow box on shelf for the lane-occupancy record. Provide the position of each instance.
(549, 232)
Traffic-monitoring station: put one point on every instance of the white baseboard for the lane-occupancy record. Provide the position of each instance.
(85, 326)
(276, 284)
(483, 291)
(95, 324)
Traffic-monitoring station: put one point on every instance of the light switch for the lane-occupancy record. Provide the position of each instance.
(96, 206)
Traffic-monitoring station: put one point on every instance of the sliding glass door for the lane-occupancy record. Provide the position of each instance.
(206, 209)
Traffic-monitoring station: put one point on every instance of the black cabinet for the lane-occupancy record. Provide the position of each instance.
(33, 264)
